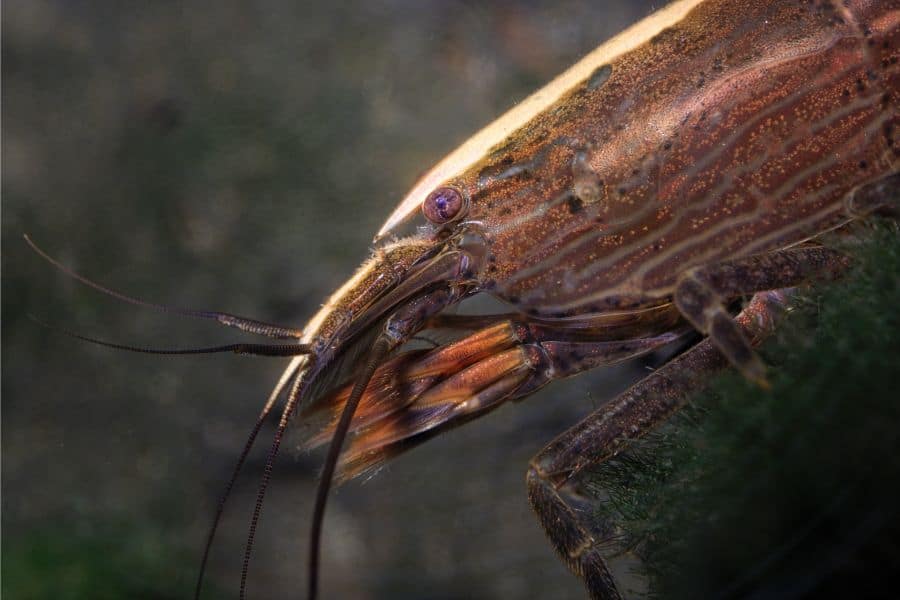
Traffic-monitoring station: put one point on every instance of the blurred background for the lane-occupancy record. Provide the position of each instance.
(239, 157)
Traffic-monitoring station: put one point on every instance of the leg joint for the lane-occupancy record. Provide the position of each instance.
(696, 299)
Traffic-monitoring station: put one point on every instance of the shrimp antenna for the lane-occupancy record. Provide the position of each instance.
(379, 350)
(293, 398)
(240, 348)
(229, 320)
(220, 509)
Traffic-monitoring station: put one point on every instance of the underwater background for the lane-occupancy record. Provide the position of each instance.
(239, 157)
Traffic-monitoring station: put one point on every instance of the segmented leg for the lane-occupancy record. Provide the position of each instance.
(702, 293)
(606, 432)
(881, 195)
(420, 392)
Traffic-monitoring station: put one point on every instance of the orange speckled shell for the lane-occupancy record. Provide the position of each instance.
(737, 130)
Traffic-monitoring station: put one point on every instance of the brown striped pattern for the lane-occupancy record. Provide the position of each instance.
(736, 131)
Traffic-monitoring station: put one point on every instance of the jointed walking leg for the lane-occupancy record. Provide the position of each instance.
(702, 293)
(606, 432)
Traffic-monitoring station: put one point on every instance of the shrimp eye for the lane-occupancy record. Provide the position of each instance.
(443, 205)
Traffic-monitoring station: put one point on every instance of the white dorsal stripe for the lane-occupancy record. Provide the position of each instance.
(478, 145)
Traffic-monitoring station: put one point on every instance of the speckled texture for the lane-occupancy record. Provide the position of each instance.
(718, 138)
(174, 155)
(241, 158)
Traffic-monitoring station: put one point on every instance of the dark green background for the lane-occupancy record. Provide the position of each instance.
(239, 157)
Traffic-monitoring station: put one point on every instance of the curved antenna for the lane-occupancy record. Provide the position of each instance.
(229, 320)
(220, 509)
(379, 350)
(289, 406)
(240, 348)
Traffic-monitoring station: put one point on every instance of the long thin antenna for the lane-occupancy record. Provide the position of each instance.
(229, 320)
(220, 509)
(379, 349)
(239, 348)
(289, 406)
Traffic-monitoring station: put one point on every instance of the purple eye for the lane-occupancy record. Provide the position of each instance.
(443, 205)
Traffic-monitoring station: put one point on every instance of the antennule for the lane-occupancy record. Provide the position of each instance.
(254, 349)
(289, 406)
(227, 319)
(380, 349)
(220, 508)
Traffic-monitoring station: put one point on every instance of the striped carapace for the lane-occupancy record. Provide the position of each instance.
(686, 162)
(689, 161)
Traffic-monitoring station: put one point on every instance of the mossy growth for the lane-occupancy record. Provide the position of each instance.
(788, 493)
